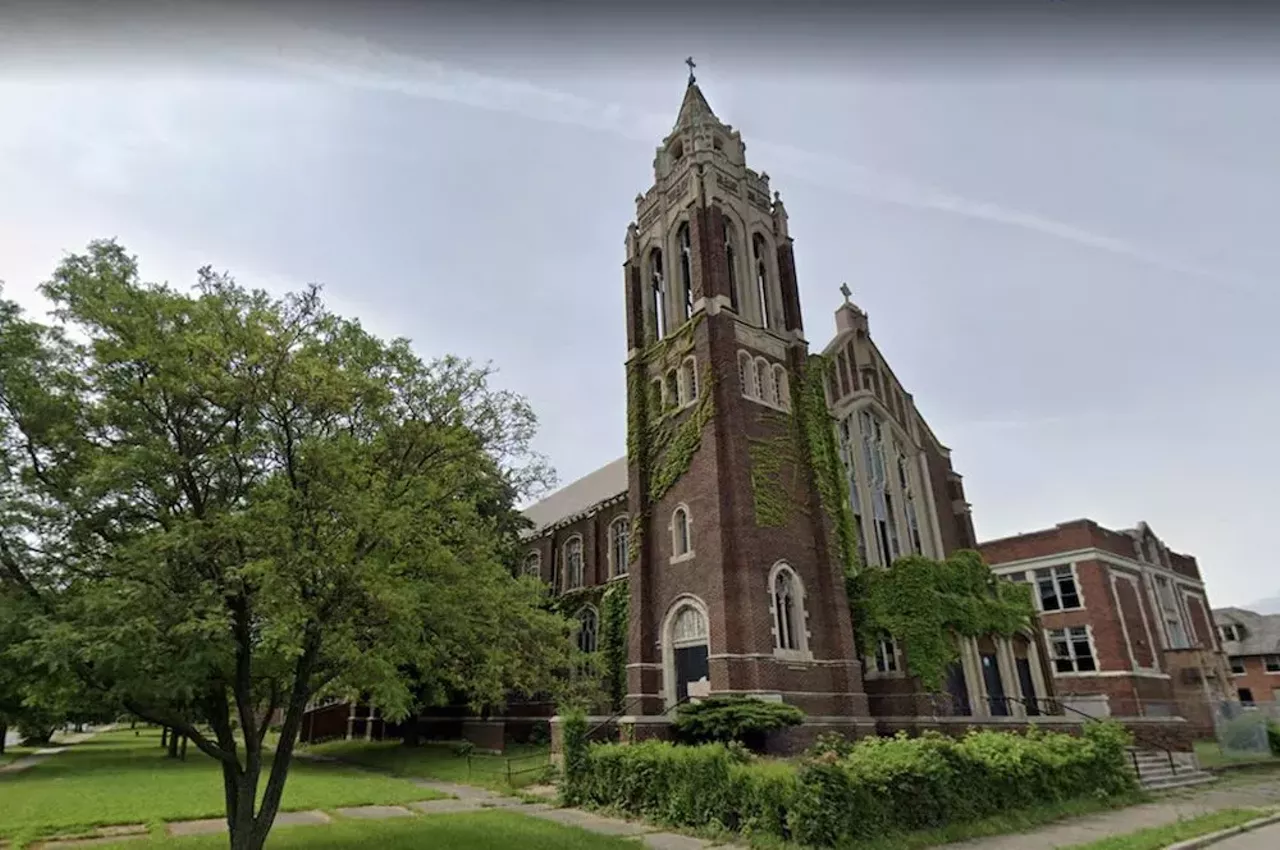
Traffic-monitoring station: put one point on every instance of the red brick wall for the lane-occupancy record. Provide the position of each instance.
(1133, 614)
(1257, 679)
(1202, 631)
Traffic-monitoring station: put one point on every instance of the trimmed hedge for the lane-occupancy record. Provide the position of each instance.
(883, 785)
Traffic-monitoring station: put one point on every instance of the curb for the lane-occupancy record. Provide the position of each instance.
(1221, 835)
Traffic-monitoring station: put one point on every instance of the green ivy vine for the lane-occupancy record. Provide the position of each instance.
(924, 604)
(771, 461)
(614, 624)
(662, 443)
(814, 421)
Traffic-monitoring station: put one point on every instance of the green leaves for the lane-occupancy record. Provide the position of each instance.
(224, 503)
(925, 603)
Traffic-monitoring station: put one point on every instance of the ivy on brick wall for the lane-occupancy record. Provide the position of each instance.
(614, 623)
(924, 604)
(661, 443)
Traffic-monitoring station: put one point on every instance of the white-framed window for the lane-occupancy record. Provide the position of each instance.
(533, 564)
(588, 629)
(787, 596)
(688, 381)
(619, 541)
(887, 655)
(782, 386)
(1071, 650)
(681, 533)
(760, 252)
(1056, 588)
(658, 294)
(686, 270)
(671, 390)
(573, 562)
(1230, 632)
(1271, 663)
(848, 456)
(1237, 666)
(745, 368)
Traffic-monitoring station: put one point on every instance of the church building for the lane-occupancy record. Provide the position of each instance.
(719, 518)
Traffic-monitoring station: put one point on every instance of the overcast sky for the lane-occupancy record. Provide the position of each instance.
(1071, 264)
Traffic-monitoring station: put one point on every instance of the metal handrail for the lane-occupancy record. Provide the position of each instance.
(623, 711)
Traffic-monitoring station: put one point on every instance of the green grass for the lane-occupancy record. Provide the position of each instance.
(439, 761)
(1211, 755)
(1158, 837)
(120, 777)
(465, 831)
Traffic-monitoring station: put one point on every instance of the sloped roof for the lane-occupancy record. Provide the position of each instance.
(1261, 631)
(580, 496)
(694, 107)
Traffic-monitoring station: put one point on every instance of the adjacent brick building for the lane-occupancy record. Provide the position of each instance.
(1252, 644)
(1127, 620)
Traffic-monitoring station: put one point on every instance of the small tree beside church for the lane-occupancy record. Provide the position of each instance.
(219, 505)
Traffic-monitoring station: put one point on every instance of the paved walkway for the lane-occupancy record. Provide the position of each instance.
(19, 765)
(1267, 838)
(1167, 808)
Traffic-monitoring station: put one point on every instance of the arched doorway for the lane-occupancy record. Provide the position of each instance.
(685, 648)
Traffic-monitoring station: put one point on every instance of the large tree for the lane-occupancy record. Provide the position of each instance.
(222, 504)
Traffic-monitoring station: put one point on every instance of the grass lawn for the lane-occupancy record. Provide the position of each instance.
(467, 831)
(1211, 755)
(439, 761)
(120, 777)
(1158, 837)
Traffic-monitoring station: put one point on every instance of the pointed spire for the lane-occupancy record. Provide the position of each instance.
(694, 108)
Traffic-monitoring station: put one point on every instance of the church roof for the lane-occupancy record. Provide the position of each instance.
(580, 496)
(694, 109)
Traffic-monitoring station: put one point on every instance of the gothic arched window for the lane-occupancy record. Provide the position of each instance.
(761, 250)
(686, 268)
(745, 368)
(658, 286)
(681, 537)
(573, 563)
(588, 629)
(688, 381)
(619, 532)
(766, 390)
(782, 387)
(731, 260)
(788, 610)
(533, 564)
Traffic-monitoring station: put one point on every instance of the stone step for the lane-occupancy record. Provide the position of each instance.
(1182, 780)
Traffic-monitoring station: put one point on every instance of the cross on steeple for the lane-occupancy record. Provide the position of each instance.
(691, 65)
(846, 292)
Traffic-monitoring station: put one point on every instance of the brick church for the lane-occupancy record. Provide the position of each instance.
(755, 474)
(736, 585)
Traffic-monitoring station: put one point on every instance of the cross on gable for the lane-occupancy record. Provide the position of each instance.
(846, 292)
(691, 65)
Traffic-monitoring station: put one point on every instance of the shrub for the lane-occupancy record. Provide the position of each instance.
(830, 742)
(1273, 738)
(743, 719)
(841, 793)
(576, 767)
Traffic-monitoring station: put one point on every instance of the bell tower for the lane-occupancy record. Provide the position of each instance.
(736, 586)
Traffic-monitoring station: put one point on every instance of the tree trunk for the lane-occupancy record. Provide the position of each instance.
(173, 745)
(4, 730)
(164, 736)
(183, 755)
(410, 731)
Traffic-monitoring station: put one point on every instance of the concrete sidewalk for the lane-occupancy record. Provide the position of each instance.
(1168, 808)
